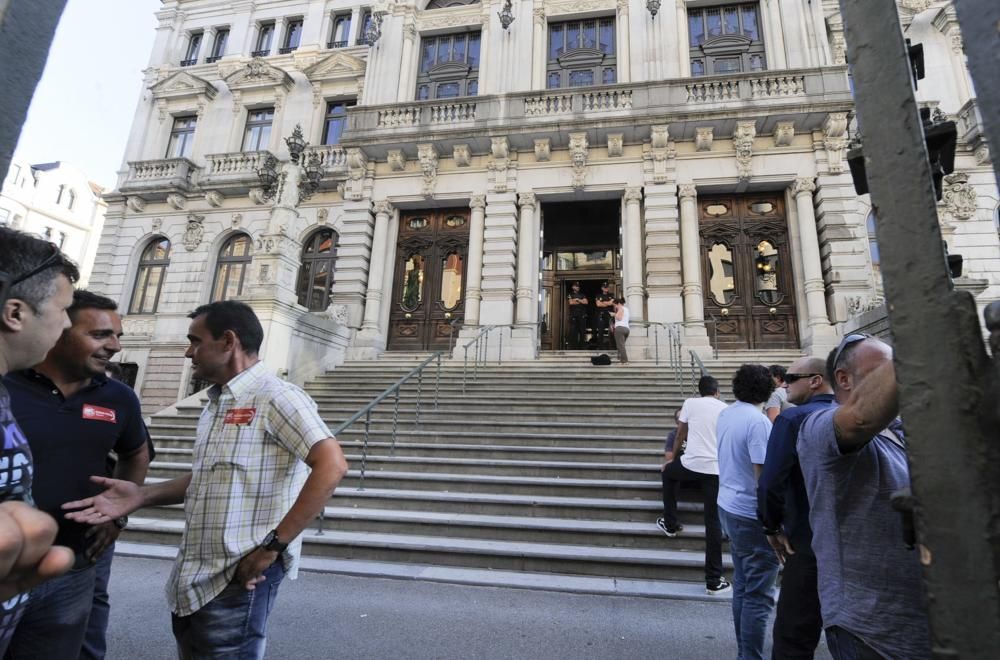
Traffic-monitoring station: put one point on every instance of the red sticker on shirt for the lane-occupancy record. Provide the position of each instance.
(90, 411)
(240, 416)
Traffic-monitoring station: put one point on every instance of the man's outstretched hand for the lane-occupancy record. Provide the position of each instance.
(119, 498)
(27, 556)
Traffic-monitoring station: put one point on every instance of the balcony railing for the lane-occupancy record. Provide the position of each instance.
(190, 62)
(155, 179)
(336, 44)
(970, 123)
(334, 161)
(213, 59)
(285, 50)
(264, 52)
(234, 172)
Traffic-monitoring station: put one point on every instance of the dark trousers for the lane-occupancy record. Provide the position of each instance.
(797, 623)
(55, 620)
(845, 645)
(94, 642)
(233, 625)
(673, 475)
(577, 330)
(602, 338)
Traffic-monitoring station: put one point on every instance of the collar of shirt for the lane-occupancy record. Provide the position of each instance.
(821, 398)
(40, 381)
(240, 384)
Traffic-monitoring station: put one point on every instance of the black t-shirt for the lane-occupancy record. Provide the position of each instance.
(70, 439)
(606, 297)
(579, 309)
(15, 484)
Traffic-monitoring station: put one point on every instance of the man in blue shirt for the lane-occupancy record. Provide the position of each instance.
(743, 430)
(72, 416)
(783, 509)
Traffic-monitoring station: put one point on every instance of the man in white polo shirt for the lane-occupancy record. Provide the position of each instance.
(695, 457)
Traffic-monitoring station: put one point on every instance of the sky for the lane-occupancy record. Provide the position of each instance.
(85, 101)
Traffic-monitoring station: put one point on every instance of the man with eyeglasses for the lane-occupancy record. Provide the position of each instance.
(853, 458)
(783, 510)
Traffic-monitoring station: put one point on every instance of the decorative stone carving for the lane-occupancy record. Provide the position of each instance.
(337, 314)
(659, 137)
(804, 185)
(956, 44)
(264, 274)
(616, 144)
(543, 150)
(857, 305)
(579, 6)
(322, 216)
(214, 198)
(397, 160)
(743, 138)
(135, 204)
(527, 200)
(357, 168)
(915, 5)
(177, 201)
(958, 198)
(835, 140)
(194, 231)
(500, 164)
(236, 220)
(538, 14)
(157, 224)
(462, 155)
(703, 136)
(454, 17)
(622, 6)
(477, 202)
(183, 86)
(382, 207)
(839, 46)
(633, 195)
(784, 132)
(982, 154)
(428, 157)
(499, 147)
(686, 190)
(256, 196)
(659, 153)
(579, 149)
(138, 326)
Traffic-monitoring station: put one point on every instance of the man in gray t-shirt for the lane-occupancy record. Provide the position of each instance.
(853, 458)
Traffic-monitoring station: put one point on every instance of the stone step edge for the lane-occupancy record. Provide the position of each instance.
(587, 585)
(477, 462)
(414, 446)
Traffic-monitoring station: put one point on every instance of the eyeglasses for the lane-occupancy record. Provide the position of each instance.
(52, 260)
(847, 341)
(791, 378)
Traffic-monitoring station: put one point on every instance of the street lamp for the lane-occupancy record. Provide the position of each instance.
(271, 173)
(506, 15)
(653, 6)
(296, 143)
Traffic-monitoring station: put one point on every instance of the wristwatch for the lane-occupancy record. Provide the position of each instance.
(121, 523)
(272, 543)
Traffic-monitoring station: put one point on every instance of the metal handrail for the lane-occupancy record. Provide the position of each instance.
(366, 412)
(482, 345)
(715, 335)
(702, 371)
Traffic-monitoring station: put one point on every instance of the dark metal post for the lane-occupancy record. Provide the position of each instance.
(437, 382)
(465, 368)
(395, 421)
(364, 449)
(420, 385)
(941, 364)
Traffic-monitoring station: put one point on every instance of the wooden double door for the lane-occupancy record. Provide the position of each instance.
(747, 272)
(428, 291)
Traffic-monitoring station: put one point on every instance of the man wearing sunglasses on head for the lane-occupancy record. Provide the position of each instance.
(783, 510)
(853, 458)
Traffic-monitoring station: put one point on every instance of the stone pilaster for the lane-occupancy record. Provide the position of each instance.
(371, 335)
(527, 257)
(635, 290)
(474, 276)
(819, 333)
(350, 282)
(499, 258)
(695, 334)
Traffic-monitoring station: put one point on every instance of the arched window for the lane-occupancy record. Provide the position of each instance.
(231, 269)
(149, 278)
(319, 252)
(873, 242)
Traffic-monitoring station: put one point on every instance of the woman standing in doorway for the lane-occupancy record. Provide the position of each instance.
(621, 329)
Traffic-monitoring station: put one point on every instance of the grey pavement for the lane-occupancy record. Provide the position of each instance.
(324, 615)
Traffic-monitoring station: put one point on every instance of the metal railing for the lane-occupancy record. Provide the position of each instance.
(697, 371)
(481, 347)
(715, 335)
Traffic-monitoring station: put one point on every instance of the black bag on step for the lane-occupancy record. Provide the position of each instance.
(601, 360)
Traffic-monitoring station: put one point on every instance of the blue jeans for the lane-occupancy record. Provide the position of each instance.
(55, 620)
(95, 644)
(755, 571)
(233, 625)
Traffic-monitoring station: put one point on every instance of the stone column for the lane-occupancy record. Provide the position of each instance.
(812, 269)
(406, 90)
(526, 256)
(774, 39)
(487, 51)
(474, 275)
(632, 254)
(376, 270)
(539, 54)
(499, 259)
(624, 68)
(694, 305)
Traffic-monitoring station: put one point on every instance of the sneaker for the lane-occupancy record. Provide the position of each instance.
(669, 531)
(721, 588)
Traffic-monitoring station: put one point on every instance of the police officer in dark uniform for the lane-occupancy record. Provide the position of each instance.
(605, 303)
(577, 316)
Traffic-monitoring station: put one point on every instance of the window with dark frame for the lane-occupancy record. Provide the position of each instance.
(219, 45)
(726, 39)
(366, 20)
(336, 120)
(62, 239)
(340, 35)
(257, 135)
(149, 278)
(231, 268)
(194, 45)
(319, 254)
(264, 37)
(182, 137)
(873, 251)
(59, 195)
(449, 66)
(71, 201)
(293, 36)
(582, 53)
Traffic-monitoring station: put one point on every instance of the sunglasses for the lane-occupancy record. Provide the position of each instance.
(7, 281)
(847, 341)
(791, 378)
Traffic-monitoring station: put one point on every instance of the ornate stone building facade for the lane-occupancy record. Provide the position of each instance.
(462, 169)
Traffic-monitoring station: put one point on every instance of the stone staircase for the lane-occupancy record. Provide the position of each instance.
(543, 474)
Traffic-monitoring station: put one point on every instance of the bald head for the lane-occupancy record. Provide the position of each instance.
(855, 362)
(807, 378)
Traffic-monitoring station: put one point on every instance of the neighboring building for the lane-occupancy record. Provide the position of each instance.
(466, 173)
(57, 202)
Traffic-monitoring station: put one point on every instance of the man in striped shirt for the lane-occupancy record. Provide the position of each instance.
(248, 496)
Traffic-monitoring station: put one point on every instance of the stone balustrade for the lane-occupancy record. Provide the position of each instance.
(331, 156)
(155, 179)
(235, 163)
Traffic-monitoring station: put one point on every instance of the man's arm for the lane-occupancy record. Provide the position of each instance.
(680, 438)
(874, 402)
(772, 413)
(328, 464)
(121, 498)
(131, 467)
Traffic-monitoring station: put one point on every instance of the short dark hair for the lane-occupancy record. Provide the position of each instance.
(708, 385)
(778, 371)
(752, 383)
(236, 316)
(83, 299)
(21, 253)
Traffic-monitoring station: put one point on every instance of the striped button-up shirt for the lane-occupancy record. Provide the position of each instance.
(247, 471)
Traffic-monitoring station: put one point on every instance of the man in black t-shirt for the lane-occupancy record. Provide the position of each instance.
(73, 415)
(577, 316)
(36, 287)
(605, 304)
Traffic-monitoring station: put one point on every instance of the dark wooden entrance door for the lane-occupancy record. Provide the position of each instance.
(428, 291)
(747, 271)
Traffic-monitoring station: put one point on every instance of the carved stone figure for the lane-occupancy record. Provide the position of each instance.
(704, 135)
(177, 201)
(214, 198)
(579, 150)
(743, 138)
(396, 159)
(958, 197)
(462, 155)
(784, 132)
(543, 150)
(194, 232)
(428, 157)
(835, 140)
(616, 143)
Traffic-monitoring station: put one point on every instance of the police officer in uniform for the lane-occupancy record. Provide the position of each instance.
(577, 316)
(605, 303)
